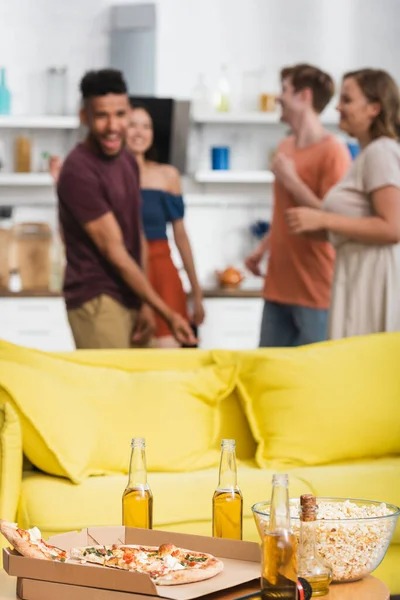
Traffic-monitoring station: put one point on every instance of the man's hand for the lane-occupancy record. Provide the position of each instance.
(145, 326)
(305, 220)
(284, 169)
(181, 330)
(252, 263)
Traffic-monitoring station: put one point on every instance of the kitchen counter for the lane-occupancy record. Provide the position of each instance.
(29, 294)
(219, 292)
(216, 292)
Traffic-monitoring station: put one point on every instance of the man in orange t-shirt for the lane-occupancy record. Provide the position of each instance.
(307, 164)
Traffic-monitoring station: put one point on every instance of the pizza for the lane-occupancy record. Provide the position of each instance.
(166, 564)
(29, 543)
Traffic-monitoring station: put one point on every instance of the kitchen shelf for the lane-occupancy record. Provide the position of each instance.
(237, 117)
(234, 177)
(26, 179)
(256, 118)
(38, 122)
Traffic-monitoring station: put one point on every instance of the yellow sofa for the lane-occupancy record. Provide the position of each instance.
(327, 414)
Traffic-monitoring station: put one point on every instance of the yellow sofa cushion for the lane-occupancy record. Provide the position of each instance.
(10, 465)
(10, 461)
(78, 420)
(233, 422)
(323, 403)
(182, 501)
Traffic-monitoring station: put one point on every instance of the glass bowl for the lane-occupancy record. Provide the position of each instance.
(352, 535)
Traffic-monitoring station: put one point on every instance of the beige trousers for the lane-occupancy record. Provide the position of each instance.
(102, 323)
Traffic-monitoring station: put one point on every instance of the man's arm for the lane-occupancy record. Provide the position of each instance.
(80, 191)
(145, 253)
(334, 169)
(106, 234)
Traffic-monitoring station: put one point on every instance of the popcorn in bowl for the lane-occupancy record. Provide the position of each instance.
(352, 535)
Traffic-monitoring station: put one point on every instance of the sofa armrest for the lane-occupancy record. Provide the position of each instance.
(10, 462)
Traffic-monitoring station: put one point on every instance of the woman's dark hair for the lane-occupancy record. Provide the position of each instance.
(151, 153)
(378, 86)
(101, 83)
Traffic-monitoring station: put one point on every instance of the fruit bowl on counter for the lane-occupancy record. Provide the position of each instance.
(230, 278)
(352, 535)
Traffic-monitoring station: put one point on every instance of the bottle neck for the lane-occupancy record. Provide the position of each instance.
(280, 511)
(308, 546)
(137, 468)
(308, 522)
(228, 469)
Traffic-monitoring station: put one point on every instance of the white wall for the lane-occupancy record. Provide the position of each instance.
(197, 36)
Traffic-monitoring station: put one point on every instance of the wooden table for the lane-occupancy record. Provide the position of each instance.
(367, 589)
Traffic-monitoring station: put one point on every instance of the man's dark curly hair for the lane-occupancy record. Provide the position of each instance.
(101, 83)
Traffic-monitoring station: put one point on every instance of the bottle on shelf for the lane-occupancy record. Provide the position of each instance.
(200, 96)
(23, 151)
(311, 566)
(56, 92)
(5, 95)
(227, 503)
(223, 94)
(279, 547)
(137, 499)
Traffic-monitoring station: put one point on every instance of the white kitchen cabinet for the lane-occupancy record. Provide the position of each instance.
(231, 323)
(39, 323)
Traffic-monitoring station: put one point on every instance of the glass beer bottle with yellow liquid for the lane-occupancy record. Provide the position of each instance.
(279, 547)
(227, 500)
(137, 500)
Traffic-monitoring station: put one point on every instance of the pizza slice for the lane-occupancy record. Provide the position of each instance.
(29, 543)
(166, 564)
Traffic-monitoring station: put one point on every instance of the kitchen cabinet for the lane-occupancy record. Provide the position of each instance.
(39, 323)
(231, 323)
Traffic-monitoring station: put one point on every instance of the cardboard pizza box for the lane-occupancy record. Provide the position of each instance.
(33, 589)
(241, 565)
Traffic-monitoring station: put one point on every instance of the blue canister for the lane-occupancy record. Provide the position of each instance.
(220, 158)
(5, 96)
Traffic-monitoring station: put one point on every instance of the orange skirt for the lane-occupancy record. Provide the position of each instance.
(164, 278)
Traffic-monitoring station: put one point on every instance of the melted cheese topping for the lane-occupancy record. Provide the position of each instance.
(172, 563)
(35, 535)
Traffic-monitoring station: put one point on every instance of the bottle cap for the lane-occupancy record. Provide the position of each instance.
(308, 503)
(280, 479)
(138, 443)
(228, 444)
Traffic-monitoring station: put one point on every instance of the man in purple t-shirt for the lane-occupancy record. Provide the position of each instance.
(109, 299)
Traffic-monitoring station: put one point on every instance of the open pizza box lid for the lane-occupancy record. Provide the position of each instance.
(241, 566)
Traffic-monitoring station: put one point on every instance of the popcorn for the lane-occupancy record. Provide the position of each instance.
(352, 548)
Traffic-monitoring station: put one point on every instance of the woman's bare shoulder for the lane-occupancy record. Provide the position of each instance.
(172, 178)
